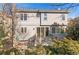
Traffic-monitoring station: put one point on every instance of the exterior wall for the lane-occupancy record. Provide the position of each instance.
(30, 31)
(53, 18)
(31, 20)
(31, 23)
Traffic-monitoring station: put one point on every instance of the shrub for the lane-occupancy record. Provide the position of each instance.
(39, 50)
(58, 47)
(12, 51)
(65, 46)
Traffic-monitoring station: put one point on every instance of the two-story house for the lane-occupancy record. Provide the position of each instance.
(35, 25)
(38, 24)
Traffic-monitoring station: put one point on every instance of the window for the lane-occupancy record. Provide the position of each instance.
(38, 15)
(23, 29)
(47, 31)
(53, 29)
(38, 31)
(57, 29)
(42, 31)
(63, 17)
(23, 16)
(45, 16)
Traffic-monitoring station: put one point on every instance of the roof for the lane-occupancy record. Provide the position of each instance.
(42, 10)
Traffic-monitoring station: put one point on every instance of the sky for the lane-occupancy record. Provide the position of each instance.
(74, 12)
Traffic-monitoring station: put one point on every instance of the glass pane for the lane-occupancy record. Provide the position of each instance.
(38, 31)
(57, 29)
(45, 14)
(21, 29)
(42, 31)
(25, 29)
(21, 16)
(45, 18)
(63, 17)
(25, 16)
(53, 29)
(62, 30)
(47, 31)
(38, 15)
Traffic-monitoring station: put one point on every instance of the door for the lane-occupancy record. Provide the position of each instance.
(40, 31)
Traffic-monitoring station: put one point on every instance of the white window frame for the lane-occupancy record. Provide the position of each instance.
(23, 14)
(63, 16)
(45, 16)
(23, 30)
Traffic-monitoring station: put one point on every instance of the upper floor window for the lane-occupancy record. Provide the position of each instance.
(45, 16)
(38, 15)
(23, 16)
(63, 17)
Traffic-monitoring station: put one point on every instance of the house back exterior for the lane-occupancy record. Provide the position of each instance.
(35, 26)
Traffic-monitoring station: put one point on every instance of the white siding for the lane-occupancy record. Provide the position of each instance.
(31, 19)
(33, 22)
(53, 17)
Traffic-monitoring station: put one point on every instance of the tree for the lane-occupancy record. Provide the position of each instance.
(73, 29)
(66, 46)
(9, 12)
(68, 6)
(2, 33)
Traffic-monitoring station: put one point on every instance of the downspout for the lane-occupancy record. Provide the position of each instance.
(40, 17)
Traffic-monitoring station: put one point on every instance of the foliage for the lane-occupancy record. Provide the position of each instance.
(58, 47)
(73, 33)
(12, 51)
(37, 50)
(40, 50)
(73, 29)
(2, 34)
(65, 46)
